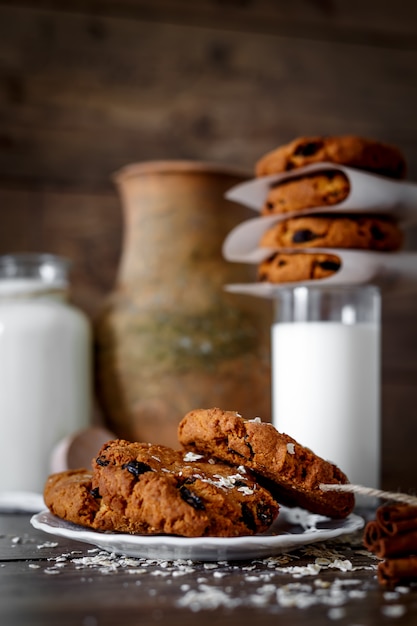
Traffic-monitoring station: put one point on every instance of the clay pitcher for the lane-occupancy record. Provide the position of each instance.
(170, 339)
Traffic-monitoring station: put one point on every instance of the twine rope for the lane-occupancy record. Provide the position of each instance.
(371, 492)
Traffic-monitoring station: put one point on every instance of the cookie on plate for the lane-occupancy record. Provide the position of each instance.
(293, 472)
(69, 495)
(352, 151)
(283, 267)
(367, 232)
(324, 188)
(152, 489)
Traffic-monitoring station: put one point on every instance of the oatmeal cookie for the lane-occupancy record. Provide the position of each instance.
(357, 152)
(366, 232)
(324, 188)
(152, 489)
(293, 472)
(285, 268)
(69, 495)
(148, 489)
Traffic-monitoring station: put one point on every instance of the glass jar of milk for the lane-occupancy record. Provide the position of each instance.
(326, 375)
(45, 367)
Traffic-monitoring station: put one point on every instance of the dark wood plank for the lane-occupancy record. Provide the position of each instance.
(46, 592)
(371, 22)
(86, 228)
(81, 97)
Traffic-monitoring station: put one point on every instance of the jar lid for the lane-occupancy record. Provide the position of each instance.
(33, 271)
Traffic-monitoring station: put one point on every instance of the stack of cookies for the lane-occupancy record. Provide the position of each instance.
(228, 480)
(301, 197)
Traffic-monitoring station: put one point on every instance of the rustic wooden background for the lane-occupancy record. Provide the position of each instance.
(89, 86)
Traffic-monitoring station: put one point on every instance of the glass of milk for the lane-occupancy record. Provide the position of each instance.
(326, 375)
(45, 367)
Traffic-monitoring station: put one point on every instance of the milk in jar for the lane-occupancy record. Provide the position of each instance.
(45, 367)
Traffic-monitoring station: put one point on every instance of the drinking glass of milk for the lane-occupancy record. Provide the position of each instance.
(326, 375)
(45, 367)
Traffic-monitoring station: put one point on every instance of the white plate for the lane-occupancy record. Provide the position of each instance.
(292, 529)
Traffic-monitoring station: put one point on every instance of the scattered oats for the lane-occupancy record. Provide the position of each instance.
(238, 414)
(183, 572)
(51, 570)
(219, 574)
(47, 544)
(301, 570)
(246, 491)
(291, 448)
(210, 565)
(393, 610)
(357, 594)
(263, 596)
(347, 582)
(156, 458)
(34, 566)
(336, 613)
(192, 456)
(207, 598)
(267, 589)
(252, 579)
(344, 565)
(185, 587)
(212, 461)
(322, 561)
(296, 595)
(255, 420)
(402, 589)
(16, 540)
(391, 595)
(202, 580)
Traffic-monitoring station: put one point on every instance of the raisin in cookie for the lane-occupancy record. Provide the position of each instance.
(349, 150)
(366, 232)
(293, 472)
(293, 267)
(324, 188)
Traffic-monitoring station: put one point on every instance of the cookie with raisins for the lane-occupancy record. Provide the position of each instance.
(292, 472)
(325, 188)
(357, 152)
(362, 232)
(150, 489)
(293, 267)
(69, 495)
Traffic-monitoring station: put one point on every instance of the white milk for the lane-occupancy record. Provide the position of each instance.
(45, 380)
(326, 392)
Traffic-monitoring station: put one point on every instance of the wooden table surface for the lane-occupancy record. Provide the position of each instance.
(48, 580)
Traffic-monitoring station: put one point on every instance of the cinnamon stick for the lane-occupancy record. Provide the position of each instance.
(396, 545)
(394, 571)
(397, 518)
(372, 533)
